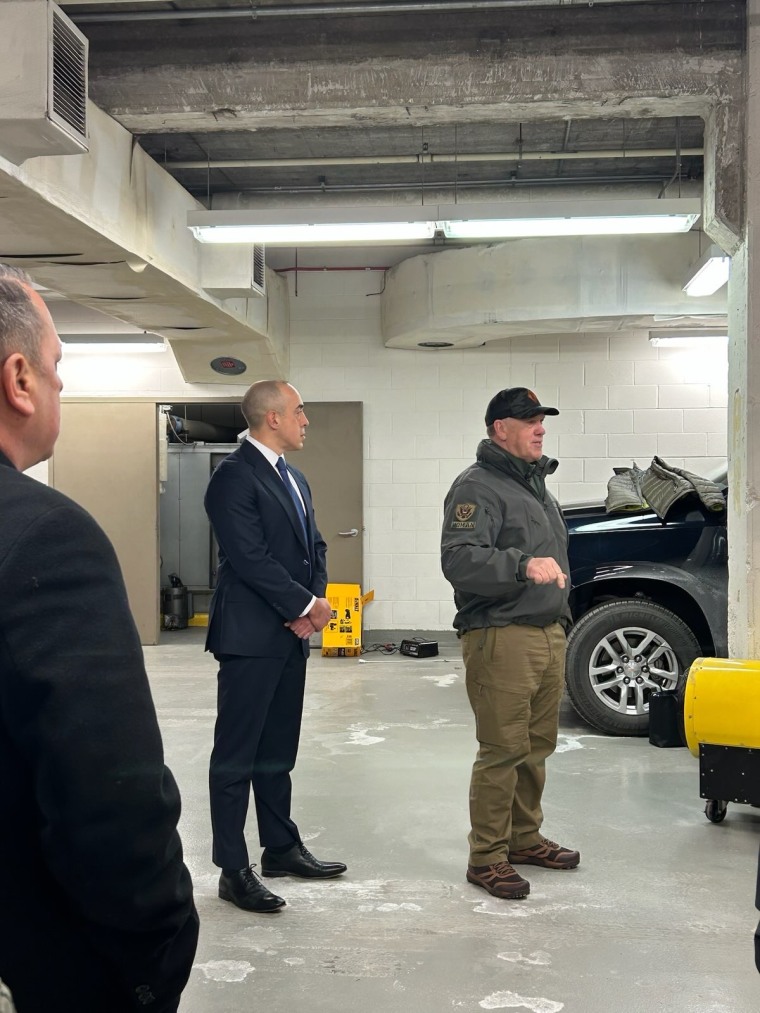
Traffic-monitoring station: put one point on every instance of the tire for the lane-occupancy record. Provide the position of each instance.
(596, 671)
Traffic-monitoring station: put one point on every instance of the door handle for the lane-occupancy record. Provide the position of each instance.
(349, 534)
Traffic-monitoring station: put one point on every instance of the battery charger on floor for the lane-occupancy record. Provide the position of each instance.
(419, 648)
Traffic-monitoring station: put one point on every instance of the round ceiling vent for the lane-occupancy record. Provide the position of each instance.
(228, 365)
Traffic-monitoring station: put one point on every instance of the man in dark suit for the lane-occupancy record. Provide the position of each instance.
(268, 600)
(96, 908)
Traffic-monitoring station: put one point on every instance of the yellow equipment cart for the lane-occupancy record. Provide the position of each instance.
(722, 725)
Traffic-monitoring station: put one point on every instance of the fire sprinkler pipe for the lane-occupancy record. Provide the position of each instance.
(425, 157)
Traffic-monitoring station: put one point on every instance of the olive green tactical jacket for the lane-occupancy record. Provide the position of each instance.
(494, 523)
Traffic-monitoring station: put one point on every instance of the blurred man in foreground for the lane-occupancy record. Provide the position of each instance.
(96, 907)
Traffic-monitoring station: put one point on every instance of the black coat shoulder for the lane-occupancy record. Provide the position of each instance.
(86, 799)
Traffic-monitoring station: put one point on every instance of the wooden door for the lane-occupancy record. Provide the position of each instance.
(106, 459)
(332, 459)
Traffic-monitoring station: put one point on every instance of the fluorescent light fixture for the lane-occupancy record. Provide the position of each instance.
(687, 337)
(709, 273)
(609, 225)
(117, 343)
(346, 233)
(351, 226)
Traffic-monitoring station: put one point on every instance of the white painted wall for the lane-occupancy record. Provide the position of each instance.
(620, 400)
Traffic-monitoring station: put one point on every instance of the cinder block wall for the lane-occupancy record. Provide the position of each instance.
(620, 400)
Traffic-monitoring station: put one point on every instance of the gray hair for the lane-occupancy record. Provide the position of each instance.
(20, 325)
(262, 397)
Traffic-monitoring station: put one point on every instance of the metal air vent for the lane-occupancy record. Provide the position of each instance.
(68, 82)
(232, 272)
(259, 279)
(43, 82)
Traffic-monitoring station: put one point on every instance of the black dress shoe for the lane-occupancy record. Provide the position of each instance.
(298, 861)
(244, 888)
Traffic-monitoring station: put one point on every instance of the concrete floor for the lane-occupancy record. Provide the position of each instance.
(659, 916)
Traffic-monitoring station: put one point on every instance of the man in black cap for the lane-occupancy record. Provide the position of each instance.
(504, 550)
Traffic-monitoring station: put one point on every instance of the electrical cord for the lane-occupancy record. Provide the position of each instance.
(380, 649)
(390, 648)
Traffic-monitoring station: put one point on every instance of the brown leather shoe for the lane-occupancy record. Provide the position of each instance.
(547, 854)
(500, 880)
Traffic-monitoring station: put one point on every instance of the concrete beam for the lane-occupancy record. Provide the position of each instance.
(724, 174)
(308, 94)
(530, 64)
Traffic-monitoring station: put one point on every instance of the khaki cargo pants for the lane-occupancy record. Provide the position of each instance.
(515, 676)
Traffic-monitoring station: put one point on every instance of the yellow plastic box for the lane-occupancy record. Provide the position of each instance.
(342, 637)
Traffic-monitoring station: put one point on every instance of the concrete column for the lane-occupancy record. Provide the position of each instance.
(723, 189)
(744, 383)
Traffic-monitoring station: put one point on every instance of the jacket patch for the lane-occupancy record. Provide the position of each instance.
(464, 517)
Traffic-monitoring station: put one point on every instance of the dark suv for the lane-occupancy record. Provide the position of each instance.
(648, 596)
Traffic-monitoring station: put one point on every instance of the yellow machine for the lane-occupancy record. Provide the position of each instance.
(722, 725)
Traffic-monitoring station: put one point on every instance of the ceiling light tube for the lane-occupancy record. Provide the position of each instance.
(346, 233)
(116, 343)
(483, 221)
(709, 273)
(685, 337)
(614, 225)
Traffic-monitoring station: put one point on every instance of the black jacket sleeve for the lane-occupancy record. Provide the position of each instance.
(77, 702)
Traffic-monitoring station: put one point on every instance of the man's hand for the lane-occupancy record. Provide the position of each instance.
(545, 570)
(319, 614)
(316, 619)
(302, 627)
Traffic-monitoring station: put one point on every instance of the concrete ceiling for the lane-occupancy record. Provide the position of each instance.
(293, 94)
(450, 101)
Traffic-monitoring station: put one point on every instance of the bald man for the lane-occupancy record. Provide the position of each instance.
(96, 907)
(268, 601)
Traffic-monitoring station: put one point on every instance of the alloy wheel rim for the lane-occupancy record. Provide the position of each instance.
(627, 665)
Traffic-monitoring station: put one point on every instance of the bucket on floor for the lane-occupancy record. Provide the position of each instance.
(175, 607)
(665, 719)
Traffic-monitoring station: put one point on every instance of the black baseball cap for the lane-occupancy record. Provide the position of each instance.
(516, 403)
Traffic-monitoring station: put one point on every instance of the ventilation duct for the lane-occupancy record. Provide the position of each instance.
(235, 271)
(43, 82)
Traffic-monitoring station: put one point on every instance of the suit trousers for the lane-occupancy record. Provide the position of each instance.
(258, 724)
(515, 677)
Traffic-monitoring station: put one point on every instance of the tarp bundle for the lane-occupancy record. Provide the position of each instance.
(659, 487)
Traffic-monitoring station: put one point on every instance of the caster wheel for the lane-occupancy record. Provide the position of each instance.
(715, 810)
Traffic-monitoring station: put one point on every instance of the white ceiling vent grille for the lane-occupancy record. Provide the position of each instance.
(68, 82)
(43, 82)
(259, 282)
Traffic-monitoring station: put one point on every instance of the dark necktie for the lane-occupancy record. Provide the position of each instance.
(283, 470)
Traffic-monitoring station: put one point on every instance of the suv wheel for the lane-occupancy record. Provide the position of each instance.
(618, 654)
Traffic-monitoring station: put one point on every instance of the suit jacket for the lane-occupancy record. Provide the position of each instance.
(96, 908)
(267, 572)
